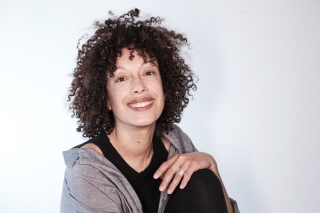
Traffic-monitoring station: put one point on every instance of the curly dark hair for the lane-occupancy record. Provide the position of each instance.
(96, 61)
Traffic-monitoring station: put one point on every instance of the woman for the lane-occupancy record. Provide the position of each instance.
(130, 85)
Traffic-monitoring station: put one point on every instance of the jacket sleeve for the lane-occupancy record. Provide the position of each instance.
(234, 206)
(82, 193)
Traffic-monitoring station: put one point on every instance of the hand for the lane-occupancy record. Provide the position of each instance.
(189, 163)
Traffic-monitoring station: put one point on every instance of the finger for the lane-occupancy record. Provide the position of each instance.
(170, 173)
(162, 176)
(177, 178)
(187, 175)
(172, 176)
(164, 167)
(167, 177)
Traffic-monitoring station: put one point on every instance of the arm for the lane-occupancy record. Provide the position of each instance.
(189, 162)
(200, 160)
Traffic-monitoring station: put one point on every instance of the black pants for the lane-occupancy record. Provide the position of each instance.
(203, 194)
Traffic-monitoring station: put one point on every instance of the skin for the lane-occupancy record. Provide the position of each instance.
(136, 98)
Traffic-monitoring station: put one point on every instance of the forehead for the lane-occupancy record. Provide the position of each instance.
(132, 57)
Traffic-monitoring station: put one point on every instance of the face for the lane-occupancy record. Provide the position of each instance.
(135, 92)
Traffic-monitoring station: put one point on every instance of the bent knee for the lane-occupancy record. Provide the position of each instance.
(204, 178)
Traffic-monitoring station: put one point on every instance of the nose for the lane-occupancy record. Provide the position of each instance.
(138, 86)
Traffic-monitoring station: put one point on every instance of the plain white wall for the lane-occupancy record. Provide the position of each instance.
(257, 108)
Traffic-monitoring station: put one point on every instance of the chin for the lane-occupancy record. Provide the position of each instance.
(144, 122)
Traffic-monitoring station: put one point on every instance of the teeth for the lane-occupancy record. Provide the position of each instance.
(141, 104)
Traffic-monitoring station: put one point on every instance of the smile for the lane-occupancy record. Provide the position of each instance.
(140, 104)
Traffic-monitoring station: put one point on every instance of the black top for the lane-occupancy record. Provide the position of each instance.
(143, 183)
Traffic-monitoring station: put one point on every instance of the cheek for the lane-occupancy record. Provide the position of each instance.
(160, 90)
(161, 96)
(111, 100)
(116, 98)
(112, 97)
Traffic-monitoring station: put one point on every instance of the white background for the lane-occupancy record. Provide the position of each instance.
(257, 108)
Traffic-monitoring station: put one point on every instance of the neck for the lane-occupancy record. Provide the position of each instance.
(134, 144)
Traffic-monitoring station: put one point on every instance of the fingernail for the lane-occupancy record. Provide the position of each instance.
(155, 176)
(169, 191)
(161, 188)
(182, 186)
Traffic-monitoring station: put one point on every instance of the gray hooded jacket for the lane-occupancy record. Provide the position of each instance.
(92, 184)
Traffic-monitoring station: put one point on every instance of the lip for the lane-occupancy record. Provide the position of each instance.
(139, 104)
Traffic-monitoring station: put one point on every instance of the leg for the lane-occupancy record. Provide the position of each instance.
(203, 194)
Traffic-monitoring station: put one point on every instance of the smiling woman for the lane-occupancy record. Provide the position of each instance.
(135, 91)
(130, 86)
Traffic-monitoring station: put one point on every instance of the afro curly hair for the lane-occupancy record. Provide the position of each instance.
(88, 95)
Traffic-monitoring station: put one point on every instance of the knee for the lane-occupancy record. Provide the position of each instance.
(202, 192)
(204, 179)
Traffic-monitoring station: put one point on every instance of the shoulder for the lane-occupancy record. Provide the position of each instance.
(90, 175)
(180, 140)
(93, 143)
(86, 190)
(92, 146)
(166, 143)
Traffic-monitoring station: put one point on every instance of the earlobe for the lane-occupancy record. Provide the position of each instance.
(108, 105)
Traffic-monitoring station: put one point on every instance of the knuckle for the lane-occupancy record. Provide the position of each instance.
(174, 183)
(187, 174)
(165, 181)
(164, 163)
(185, 181)
(176, 179)
(176, 156)
(170, 172)
(161, 170)
(183, 157)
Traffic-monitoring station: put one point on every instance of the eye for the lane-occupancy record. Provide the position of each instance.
(150, 73)
(121, 79)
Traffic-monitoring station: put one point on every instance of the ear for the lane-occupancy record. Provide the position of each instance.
(108, 105)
